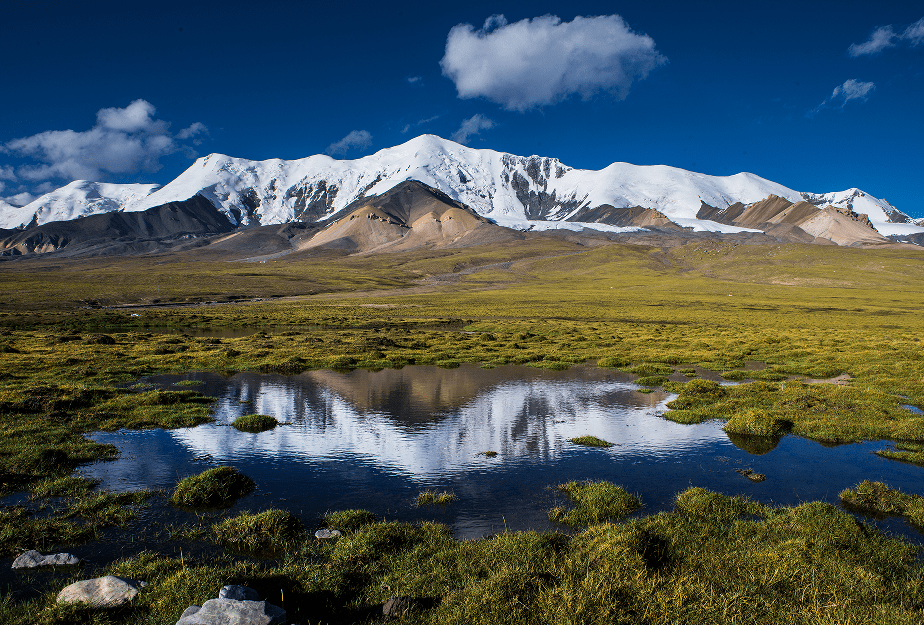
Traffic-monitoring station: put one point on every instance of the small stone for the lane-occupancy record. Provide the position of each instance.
(238, 593)
(396, 607)
(228, 611)
(102, 592)
(32, 559)
(323, 534)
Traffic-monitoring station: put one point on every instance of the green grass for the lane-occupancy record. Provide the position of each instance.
(255, 423)
(877, 498)
(912, 453)
(596, 502)
(806, 311)
(214, 488)
(270, 531)
(590, 441)
(433, 498)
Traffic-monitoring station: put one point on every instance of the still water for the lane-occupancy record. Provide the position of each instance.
(375, 440)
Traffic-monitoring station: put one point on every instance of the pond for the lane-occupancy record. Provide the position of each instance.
(375, 440)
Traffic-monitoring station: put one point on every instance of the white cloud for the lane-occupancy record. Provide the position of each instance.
(416, 81)
(123, 141)
(885, 37)
(194, 129)
(6, 173)
(20, 199)
(408, 127)
(472, 126)
(915, 33)
(360, 139)
(842, 94)
(541, 61)
(882, 38)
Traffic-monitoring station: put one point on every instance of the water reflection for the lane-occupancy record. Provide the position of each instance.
(374, 439)
(426, 422)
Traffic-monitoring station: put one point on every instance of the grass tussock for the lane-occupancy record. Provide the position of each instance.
(595, 502)
(878, 498)
(213, 488)
(255, 423)
(590, 441)
(431, 498)
(265, 532)
(714, 558)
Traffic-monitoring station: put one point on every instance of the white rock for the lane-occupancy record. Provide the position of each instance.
(102, 592)
(32, 559)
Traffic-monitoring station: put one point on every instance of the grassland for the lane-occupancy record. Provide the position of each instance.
(803, 311)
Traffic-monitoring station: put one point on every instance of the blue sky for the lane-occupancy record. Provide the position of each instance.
(818, 96)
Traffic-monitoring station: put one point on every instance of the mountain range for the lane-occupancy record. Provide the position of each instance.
(476, 187)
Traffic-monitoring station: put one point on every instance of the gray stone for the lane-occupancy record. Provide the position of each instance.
(102, 592)
(396, 607)
(233, 612)
(32, 559)
(239, 593)
(322, 534)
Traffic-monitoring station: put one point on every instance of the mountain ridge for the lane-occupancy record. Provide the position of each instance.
(533, 192)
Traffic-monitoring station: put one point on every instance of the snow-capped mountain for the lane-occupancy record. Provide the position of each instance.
(515, 191)
(80, 198)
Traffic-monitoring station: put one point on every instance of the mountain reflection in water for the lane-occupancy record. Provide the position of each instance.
(373, 440)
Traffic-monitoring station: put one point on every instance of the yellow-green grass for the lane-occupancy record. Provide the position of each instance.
(213, 488)
(805, 311)
(431, 498)
(267, 531)
(595, 502)
(713, 559)
(912, 453)
(590, 441)
(878, 498)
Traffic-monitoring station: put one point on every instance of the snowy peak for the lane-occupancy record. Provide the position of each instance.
(516, 191)
(80, 198)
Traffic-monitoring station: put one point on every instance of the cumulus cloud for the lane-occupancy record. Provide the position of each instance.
(842, 94)
(541, 61)
(360, 139)
(885, 37)
(472, 126)
(123, 141)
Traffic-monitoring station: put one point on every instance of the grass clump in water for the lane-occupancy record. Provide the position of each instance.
(912, 453)
(430, 498)
(596, 502)
(878, 498)
(214, 488)
(590, 441)
(66, 486)
(255, 423)
(269, 531)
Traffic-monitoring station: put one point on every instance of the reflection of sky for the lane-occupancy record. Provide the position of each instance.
(518, 419)
(373, 440)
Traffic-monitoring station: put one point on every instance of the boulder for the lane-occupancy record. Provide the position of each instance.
(238, 593)
(33, 559)
(236, 605)
(102, 592)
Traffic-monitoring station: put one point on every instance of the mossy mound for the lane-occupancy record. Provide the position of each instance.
(596, 502)
(255, 423)
(268, 531)
(590, 441)
(215, 488)
(697, 393)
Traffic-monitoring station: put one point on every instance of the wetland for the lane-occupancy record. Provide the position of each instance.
(387, 387)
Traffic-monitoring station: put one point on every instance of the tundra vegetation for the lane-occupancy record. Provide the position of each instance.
(70, 358)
